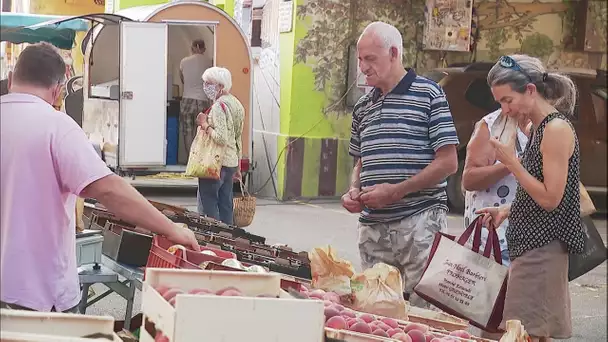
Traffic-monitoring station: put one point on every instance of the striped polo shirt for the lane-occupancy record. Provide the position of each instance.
(396, 136)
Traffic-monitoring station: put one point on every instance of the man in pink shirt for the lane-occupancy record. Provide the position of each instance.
(47, 161)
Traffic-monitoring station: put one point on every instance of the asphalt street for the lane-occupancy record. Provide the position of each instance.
(305, 225)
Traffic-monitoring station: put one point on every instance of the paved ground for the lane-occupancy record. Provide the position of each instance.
(307, 225)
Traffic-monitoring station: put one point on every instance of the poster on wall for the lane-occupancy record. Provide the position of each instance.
(285, 16)
(448, 25)
(109, 6)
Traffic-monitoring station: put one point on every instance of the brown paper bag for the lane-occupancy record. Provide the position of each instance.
(379, 290)
(587, 207)
(330, 273)
(515, 332)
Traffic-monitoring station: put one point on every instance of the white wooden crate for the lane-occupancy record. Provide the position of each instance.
(228, 319)
(65, 326)
(11, 336)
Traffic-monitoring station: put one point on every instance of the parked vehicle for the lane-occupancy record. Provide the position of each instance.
(470, 99)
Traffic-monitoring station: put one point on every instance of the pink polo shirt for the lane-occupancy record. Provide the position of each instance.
(47, 161)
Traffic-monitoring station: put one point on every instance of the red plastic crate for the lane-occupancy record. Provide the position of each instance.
(160, 257)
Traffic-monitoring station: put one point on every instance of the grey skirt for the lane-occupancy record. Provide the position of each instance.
(538, 294)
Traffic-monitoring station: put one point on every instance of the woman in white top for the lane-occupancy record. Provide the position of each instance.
(488, 183)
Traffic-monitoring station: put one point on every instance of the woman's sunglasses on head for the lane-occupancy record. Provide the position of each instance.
(509, 63)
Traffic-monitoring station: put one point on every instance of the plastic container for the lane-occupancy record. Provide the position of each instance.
(88, 250)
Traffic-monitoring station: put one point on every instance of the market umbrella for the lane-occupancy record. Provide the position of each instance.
(14, 28)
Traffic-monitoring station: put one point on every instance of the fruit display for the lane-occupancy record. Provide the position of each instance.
(338, 317)
(169, 293)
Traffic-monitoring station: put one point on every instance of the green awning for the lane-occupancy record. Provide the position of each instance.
(14, 28)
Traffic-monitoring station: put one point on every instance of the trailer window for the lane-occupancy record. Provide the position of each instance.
(104, 63)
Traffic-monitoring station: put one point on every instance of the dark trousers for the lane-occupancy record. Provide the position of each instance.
(4, 305)
(215, 196)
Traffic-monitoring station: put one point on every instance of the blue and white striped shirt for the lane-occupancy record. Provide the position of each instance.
(396, 136)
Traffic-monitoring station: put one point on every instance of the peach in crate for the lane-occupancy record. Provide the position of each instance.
(215, 316)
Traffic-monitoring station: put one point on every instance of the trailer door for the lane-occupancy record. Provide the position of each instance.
(143, 94)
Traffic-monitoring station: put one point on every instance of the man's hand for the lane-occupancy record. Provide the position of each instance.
(351, 201)
(184, 236)
(380, 195)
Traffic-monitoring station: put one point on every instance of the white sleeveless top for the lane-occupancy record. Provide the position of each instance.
(501, 193)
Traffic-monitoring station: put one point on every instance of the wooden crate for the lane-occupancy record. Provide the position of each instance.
(19, 325)
(228, 319)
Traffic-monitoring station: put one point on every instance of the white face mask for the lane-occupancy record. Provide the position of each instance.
(211, 90)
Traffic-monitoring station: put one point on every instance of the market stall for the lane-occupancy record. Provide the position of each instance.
(243, 279)
(18, 28)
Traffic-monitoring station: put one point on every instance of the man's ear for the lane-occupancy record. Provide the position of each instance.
(394, 52)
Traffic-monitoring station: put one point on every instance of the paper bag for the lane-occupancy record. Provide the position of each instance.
(379, 290)
(587, 207)
(515, 332)
(205, 160)
(330, 273)
(463, 282)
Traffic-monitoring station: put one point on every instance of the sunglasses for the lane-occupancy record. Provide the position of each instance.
(510, 63)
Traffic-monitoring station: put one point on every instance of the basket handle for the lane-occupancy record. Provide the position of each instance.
(243, 190)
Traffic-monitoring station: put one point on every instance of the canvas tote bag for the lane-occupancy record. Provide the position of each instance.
(205, 159)
(464, 282)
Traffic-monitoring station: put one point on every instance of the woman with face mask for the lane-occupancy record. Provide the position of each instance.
(224, 123)
(544, 218)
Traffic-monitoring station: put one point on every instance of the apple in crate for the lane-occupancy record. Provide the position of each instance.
(229, 291)
(201, 292)
(380, 332)
(361, 327)
(403, 337)
(331, 312)
(367, 318)
(416, 326)
(317, 294)
(460, 333)
(337, 322)
(416, 336)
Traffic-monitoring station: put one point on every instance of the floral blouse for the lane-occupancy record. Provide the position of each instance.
(226, 117)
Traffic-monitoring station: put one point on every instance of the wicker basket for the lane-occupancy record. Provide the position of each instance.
(244, 208)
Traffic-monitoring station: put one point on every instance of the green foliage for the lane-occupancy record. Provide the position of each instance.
(537, 45)
(333, 26)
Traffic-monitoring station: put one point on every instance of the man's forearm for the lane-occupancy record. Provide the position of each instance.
(355, 178)
(124, 201)
(430, 176)
(481, 178)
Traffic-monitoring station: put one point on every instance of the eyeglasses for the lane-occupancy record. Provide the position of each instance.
(510, 63)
